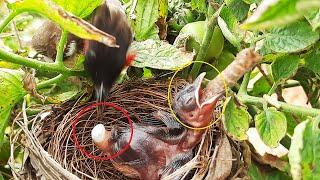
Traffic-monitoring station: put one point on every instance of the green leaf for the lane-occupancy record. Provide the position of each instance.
(261, 87)
(251, 1)
(236, 121)
(292, 38)
(81, 8)
(291, 123)
(304, 157)
(146, 16)
(313, 62)
(201, 5)
(147, 73)
(159, 55)
(62, 92)
(314, 19)
(257, 172)
(229, 26)
(238, 8)
(271, 125)
(4, 150)
(8, 65)
(221, 63)
(284, 67)
(278, 12)
(12, 92)
(66, 20)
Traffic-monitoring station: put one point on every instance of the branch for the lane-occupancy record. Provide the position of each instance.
(203, 51)
(58, 66)
(244, 61)
(7, 20)
(39, 65)
(60, 49)
(285, 107)
(49, 82)
(244, 84)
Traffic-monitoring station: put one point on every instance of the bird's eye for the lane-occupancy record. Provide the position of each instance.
(189, 103)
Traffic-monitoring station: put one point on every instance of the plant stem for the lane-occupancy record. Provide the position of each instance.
(273, 88)
(244, 84)
(39, 65)
(60, 49)
(205, 45)
(285, 107)
(7, 20)
(49, 82)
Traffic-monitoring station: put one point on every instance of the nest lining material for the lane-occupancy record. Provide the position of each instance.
(140, 98)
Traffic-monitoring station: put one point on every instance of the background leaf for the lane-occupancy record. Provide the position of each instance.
(277, 12)
(67, 21)
(256, 172)
(284, 67)
(292, 38)
(81, 8)
(200, 5)
(261, 87)
(304, 157)
(147, 15)
(221, 63)
(313, 62)
(314, 19)
(4, 150)
(236, 121)
(64, 91)
(230, 27)
(271, 125)
(159, 55)
(238, 8)
(11, 93)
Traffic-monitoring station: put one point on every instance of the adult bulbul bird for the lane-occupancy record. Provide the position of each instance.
(103, 63)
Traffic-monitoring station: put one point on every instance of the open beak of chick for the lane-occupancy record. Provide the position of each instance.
(191, 108)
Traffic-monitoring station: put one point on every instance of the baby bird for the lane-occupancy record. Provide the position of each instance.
(157, 151)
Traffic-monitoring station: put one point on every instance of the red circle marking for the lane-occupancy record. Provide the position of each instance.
(84, 111)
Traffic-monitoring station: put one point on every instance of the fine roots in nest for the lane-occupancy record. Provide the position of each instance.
(51, 152)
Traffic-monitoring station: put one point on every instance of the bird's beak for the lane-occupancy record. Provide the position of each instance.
(197, 84)
(198, 93)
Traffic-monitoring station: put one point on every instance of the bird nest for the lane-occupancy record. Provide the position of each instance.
(51, 152)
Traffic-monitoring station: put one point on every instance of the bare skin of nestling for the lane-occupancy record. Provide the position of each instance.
(158, 151)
